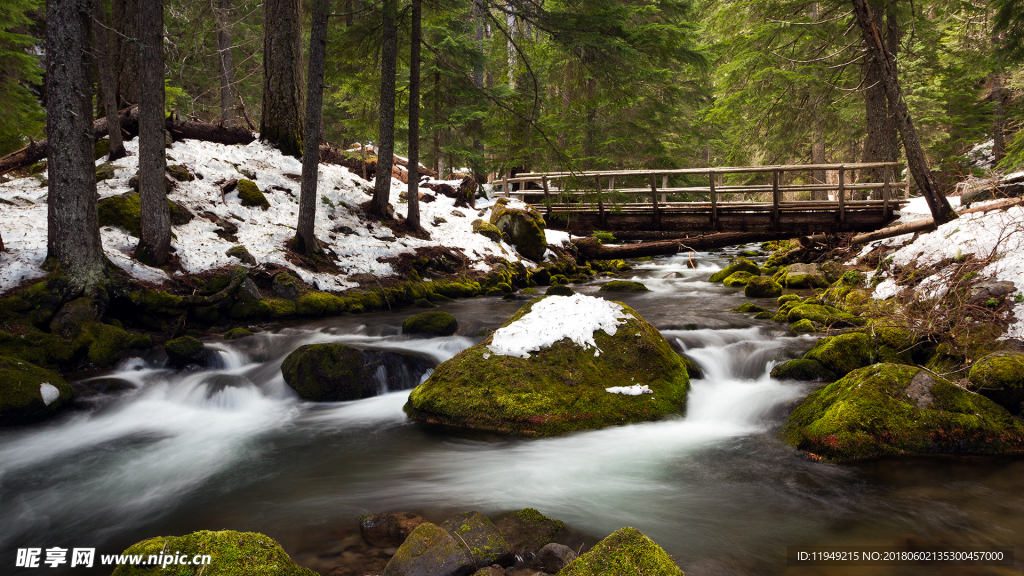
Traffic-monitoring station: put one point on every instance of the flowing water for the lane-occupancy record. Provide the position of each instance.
(232, 448)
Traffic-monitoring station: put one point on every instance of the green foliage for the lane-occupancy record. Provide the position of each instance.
(20, 74)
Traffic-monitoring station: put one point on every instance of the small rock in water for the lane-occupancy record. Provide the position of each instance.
(388, 529)
(552, 558)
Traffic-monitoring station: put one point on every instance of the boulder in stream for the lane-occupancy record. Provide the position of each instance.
(625, 552)
(737, 265)
(386, 530)
(430, 551)
(527, 530)
(481, 539)
(29, 393)
(433, 323)
(623, 286)
(336, 372)
(561, 363)
(230, 553)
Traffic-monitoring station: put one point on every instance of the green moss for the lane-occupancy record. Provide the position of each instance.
(487, 230)
(692, 370)
(434, 323)
(101, 148)
(764, 315)
(844, 353)
(123, 211)
(319, 304)
(328, 373)
(762, 287)
(236, 333)
(738, 279)
(748, 307)
(180, 173)
(21, 385)
(892, 410)
(788, 298)
(107, 343)
(249, 194)
(822, 314)
(476, 534)
(231, 554)
(623, 286)
(807, 370)
(738, 265)
(525, 229)
(803, 326)
(1000, 377)
(558, 389)
(186, 346)
(242, 253)
(430, 550)
(626, 552)
(104, 171)
(559, 290)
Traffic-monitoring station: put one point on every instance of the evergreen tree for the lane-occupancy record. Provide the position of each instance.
(282, 115)
(155, 237)
(20, 75)
(386, 146)
(305, 239)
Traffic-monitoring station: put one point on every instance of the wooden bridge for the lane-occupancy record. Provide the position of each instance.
(735, 199)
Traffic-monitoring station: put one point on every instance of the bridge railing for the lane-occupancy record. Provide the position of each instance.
(577, 195)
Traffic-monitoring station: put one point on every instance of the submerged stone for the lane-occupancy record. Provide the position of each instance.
(336, 372)
(623, 286)
(626, 552)
(231, 554)
(433, 323)
(894, 410)
(527, 530)
(387, 530)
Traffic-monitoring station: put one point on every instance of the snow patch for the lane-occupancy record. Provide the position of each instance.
(634, 390)
(575, 317)
(49, 392)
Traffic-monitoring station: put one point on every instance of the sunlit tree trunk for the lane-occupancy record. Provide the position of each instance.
(222, 8)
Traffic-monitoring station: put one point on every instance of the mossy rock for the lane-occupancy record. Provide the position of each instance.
(762, 287)
(179, 215)
(480, 538)
(788, 298)
(525, 229)
(487, 230)
(231, 554)
(388, 530)
(430, 550)
(766, 315)
(803, 369)
(236, 333)
(844, 353)
(242, 253)
(559, 290)
(559, 279)
(558, 389)
(104, 171)
(896, 345)
(999, 377)
(527, 530)
(693, 371)
(626, 552)
(187, 350)
(101, 148)
(797, 276)
(249, 194)
(433, 323)
(737, 265)
(738, 279)
(748, 307)
(895, 410)
(336, 372)
(125, 211)
(820, 313)
(623, 286)
(29, 393)
(803, 326)
(180, 173)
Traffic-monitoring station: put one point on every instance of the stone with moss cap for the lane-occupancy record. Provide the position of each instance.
(231, 554)
(430, 551)
(738, 279)
(626, 552)
(623, 286)
(336, 372)
(803, 369)
(125, 211)
(432, 323)
(801, 276)
(481, 538)
(242, 253)
(527, 530)
(186, 350)
(29, 393)
(560, 387)
(844, 353)
(788, 298)
(524, 227)
(249, 194)
(487, 230)
(749, 307)
(803, 326)
(559, 290)
(893, 410)
(762, 287)
(737, 265)
(1000, 377)
(236, 333)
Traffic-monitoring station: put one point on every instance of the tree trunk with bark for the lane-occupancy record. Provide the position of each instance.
(413, 218)
(880, 143)
(998, 118)
(916, 160)
(282, 118)
(305, 238)
(222, 8)
(73, 233)
(107, 85)
(155, 238)
(386, 144)
(125, 14)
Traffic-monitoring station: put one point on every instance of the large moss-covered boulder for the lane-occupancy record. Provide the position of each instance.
(430, 551)
(230, 553)
(249, 194)
(762, 287)
(561, 363)
(487, 230)
(820, 313)
(801, 276)
(524, 227)
(737, 265)
(29, 393)
(336, 372)
(480, 538)
(433, 323)
(844, 353)
(803, 369)
(527, 530)
(626, 552)
(738, 279)
(894, 409)
(1000, 377)
(623, 286)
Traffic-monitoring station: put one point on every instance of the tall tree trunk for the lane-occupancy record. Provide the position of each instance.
(998, 118)
(222, 8)
(413, 219)
(305, 238)
(99, 34)
(916, 160)
(73, 233)
(386, 143)
(281, 121)
(125, 14)
(438, 160)
(478, 81)
(155, 238)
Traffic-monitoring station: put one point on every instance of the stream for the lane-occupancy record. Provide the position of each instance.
(233, 448)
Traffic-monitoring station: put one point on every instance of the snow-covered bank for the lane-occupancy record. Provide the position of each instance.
(361, 246)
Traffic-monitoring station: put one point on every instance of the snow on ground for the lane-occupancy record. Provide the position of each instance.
(634, 390)
(575, 317)
(359, 245)
(998, 234)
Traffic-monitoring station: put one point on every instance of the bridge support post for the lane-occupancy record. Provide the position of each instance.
(776, 197)
(886, 209)
(600, 201)
(547, 195)
(714, 201)
(655, 215)
(842, 196)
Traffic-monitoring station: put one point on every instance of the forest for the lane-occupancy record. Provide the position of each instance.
(511, 287)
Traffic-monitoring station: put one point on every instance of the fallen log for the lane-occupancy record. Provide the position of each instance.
(591, 249)
(927, 223)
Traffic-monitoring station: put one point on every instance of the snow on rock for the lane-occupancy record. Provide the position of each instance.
(361, 246)
(575, 317)
(634, 390)
(49, 392)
